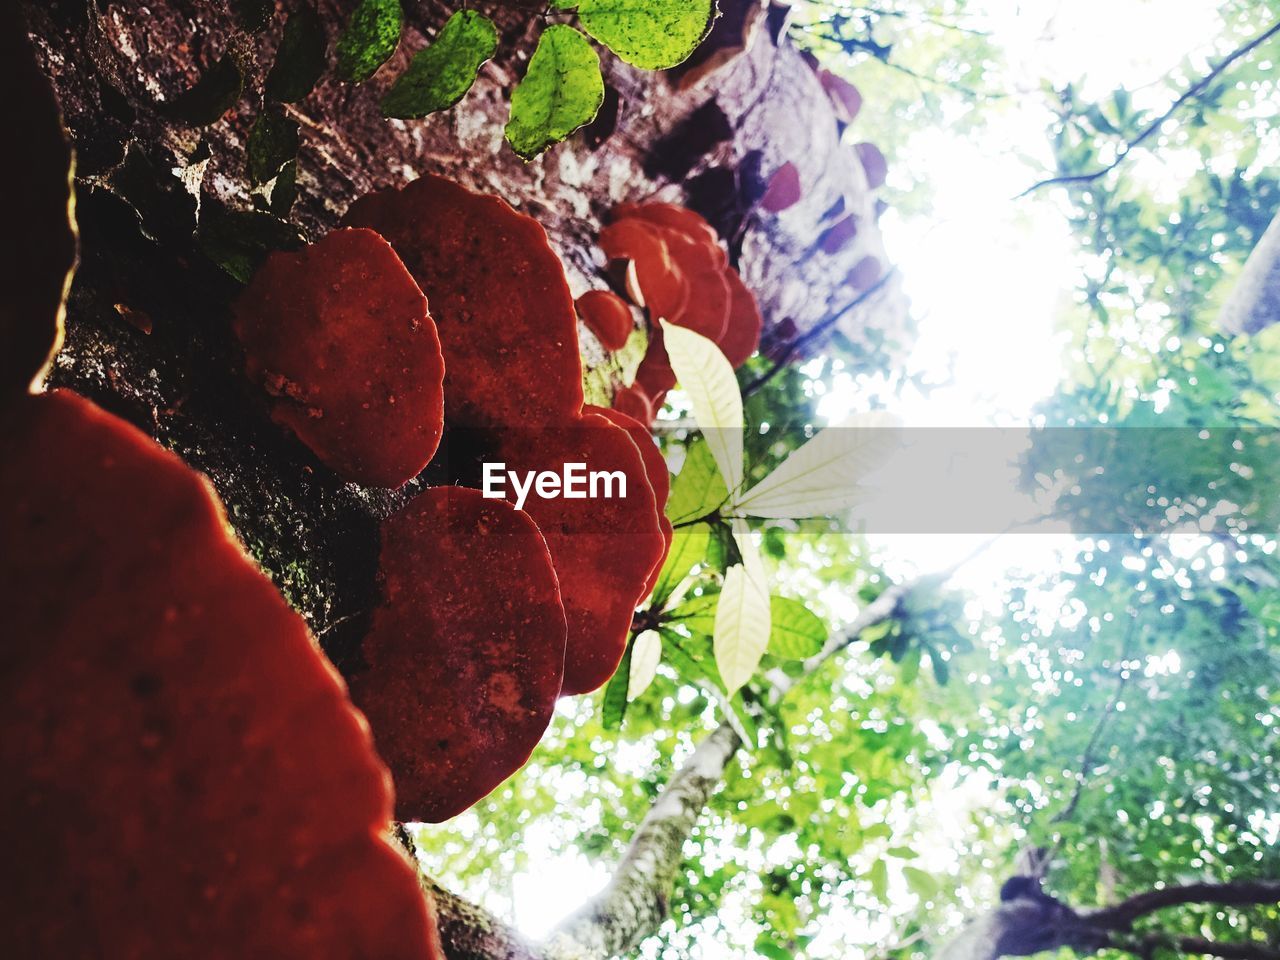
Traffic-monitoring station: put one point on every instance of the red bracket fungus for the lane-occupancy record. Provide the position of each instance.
(874, 163)
(839, 234)
(467, 652)
(499, 297)
(662, 282)
(607, 316)
(783, 190)
(718, 304)
(655, 468)
(845, 98)
(634, 402)
(603, 548)
(742, 332)
(339, 336)
(184, 774)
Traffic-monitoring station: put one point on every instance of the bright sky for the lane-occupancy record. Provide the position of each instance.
(987, 277)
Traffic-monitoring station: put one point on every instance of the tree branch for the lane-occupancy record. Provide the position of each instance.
(634, 903)
(1244, 893)
(1146, 946)
(1029, 925)
(792, 349)
(1087, 758)
(1187, 95)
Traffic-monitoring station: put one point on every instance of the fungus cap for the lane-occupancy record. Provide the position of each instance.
(655, 468)
(607, 316)
(466, 654)
(339, 336)
(603, 547)
(661, 280)
(181, 763)
(498, 294)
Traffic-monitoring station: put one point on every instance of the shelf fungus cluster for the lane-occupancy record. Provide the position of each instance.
(222, 777)
(677, 271)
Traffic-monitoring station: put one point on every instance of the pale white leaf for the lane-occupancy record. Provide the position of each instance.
(706, 376)
(824, 476)
(742, 627)
(749, 546)
(646, 653)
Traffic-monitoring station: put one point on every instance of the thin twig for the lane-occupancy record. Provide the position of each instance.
(818, 330)
(1087, 759)
(1190, 93)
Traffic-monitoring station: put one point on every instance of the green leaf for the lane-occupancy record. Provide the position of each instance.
(650, 34)
(921, 883)
(369, 39)
(285, 190)
(213, 94)
(941, 671)
(879, 877)
(797, 632)
(742, 627)
(698, 489)
(688, 547)
(704, 373)
(614, 707)
(300, 58)
(911, 666)
(561, 91)
(273, 142)
(239, 240)
(439, 76)
(697, 614)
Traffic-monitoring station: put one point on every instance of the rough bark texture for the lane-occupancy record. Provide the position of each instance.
(1254, 303)
(147, 329)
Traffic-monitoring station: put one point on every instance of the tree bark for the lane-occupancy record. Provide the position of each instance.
(1254, 302)
(147, 331)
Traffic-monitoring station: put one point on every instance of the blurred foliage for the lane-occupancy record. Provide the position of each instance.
(1123, 709)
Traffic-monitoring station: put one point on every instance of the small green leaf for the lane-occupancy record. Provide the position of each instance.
(239, 240)
(688, 546)
(911, 666)
(273, 142)
(879, 877)
(561, 91)
(439, 76)
(300, 59)
(698, 488)
(797, 633)
(697, 614)
(650, 34)
(369, 39)
(941, 671)
(213, 94)
(614, 708)
(921, 883)
(285, 190)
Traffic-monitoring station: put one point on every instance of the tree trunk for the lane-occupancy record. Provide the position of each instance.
(147, 333)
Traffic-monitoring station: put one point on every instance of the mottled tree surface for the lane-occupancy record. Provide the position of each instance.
(148, 333)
